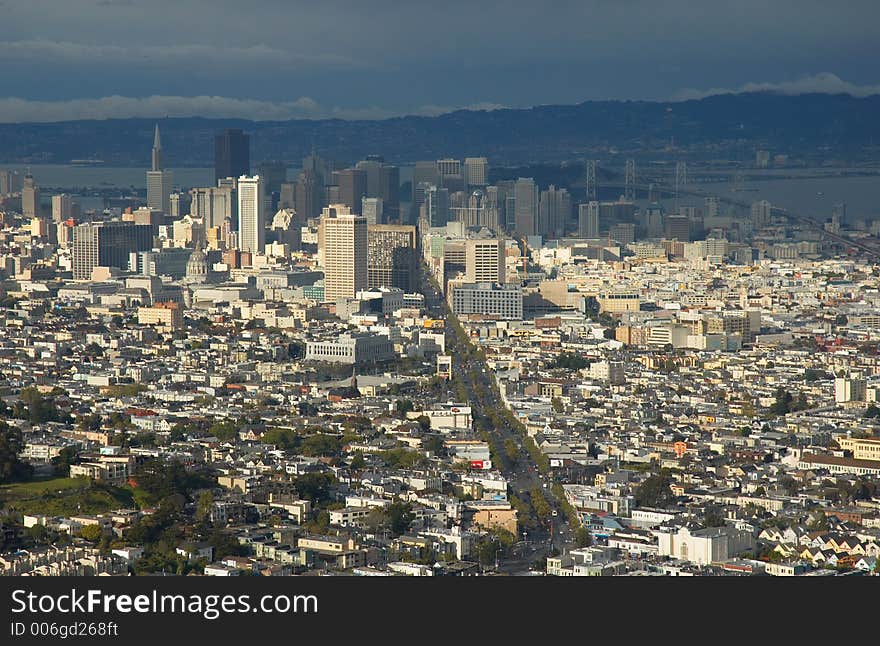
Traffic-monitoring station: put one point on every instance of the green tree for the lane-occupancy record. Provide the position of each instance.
(404, 406)
(357, 461)
(654, 491)
(12, 443)
(61, 462)
(582, 537)
(204, 507)
(91, 533)
(557, 405)
(400, 517)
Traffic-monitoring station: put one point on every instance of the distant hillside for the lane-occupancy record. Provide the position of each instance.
(811, 126)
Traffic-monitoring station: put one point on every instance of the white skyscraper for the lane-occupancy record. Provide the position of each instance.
(251, 215)
(343, 250)
(159, 181)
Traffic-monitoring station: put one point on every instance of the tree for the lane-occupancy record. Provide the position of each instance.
(357, 461)
(400, 517)
(204, 507)
(654, 490)
(582, 537)
(872, 411)
(61, 462)
(557, 404)
(713, 517)
(570, 361)
(12, 468)
(91, 533)
(783, 403)
(404, 406)
(34, 407)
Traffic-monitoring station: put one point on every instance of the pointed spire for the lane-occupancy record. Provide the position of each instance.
(157, 150)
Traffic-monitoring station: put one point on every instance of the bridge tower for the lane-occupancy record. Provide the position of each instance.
(592, 189)
(630, 181)
(681, 177)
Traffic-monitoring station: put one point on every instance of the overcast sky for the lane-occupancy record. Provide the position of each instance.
(269, 59)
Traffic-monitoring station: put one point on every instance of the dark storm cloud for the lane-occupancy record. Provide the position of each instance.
(379, 57)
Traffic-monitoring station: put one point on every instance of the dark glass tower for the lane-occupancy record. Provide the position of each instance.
(232, 154)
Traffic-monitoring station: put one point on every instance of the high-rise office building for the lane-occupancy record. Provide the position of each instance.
(30, 197)
(308, 195)
(373, 209)
(383, 182)
(62, 207)
(554, 211)
(526, 195)
(8, 182)
(678, 227)
(437, 206)
(588, 220)
(451, 174)
(623, 233)
(484, 261)
(251, 214)
(214, 205)
(343, 249)
(107, 244)
(476, 172)
(232, 154)
(711, 206)
(159, 180)
(476, 209)
(653, 221)
(352, 183)
(287, 197)
(392, 260)
(760, 214)
(273, 174)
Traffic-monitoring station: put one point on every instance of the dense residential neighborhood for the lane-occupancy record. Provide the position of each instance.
(498, 389)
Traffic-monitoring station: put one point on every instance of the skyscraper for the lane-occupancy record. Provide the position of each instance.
(30, 198)
(373, 210)
(232, 154)
(343, 249)
(451, 175)
(484, 261)
(159, 181)
(273, 174)
(308, 196)
(352, 184)
(554, 212)
(391, 259)
(526, 207)
(588, 220)
(251, 214)
(107, 244)
(476, 171)
(437, 206)
(62, 207)
(760, 214)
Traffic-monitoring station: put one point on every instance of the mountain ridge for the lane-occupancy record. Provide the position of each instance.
(730, 125)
